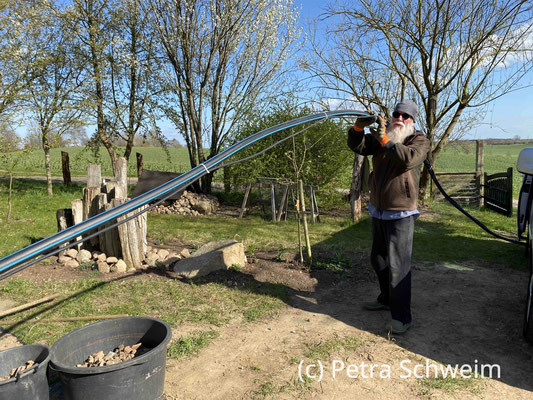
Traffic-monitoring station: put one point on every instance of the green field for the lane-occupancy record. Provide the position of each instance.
(154, 158)
(459, 157)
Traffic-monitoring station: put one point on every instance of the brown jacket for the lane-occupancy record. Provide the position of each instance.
(394, 181)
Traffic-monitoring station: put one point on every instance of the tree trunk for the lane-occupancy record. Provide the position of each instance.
(9, 198)
(355, 188)
(48, 170)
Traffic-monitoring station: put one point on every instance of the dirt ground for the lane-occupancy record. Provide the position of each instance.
(463, 314)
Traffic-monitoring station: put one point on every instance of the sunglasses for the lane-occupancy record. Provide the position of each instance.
(396, 114)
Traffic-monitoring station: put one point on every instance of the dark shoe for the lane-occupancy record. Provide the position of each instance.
(398, 327)
(376, 306)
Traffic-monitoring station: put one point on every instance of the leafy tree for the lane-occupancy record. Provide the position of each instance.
(317, 155)
(451, 57)
(223, 58)
(112, 42)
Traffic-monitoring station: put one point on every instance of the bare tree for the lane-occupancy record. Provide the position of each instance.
(223, 58)
(452, 57)
(53, 83)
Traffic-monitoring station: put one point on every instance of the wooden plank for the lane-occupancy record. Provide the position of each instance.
(245, 200)
(273, 202)
(282, 203)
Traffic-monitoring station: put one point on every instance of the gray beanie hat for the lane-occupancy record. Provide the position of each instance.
(408, 107)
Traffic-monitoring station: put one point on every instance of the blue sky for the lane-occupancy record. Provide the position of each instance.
(507, 117)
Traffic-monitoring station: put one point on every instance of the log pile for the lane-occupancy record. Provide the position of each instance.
(127, 241)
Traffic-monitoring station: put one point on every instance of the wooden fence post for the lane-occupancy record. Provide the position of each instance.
(480, 181)
(65, 163)
(139, 164)
(121, 178)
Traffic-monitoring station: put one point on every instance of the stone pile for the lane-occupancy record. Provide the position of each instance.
(15, 371)
(97, 260)
(118, 355)
(189, 204)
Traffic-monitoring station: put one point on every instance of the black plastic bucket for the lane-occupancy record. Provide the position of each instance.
(141, 378)
(30, 384)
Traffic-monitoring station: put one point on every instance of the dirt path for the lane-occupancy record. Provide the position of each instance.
(468, 314)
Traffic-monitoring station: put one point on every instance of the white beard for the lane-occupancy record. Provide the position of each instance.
(397, 132)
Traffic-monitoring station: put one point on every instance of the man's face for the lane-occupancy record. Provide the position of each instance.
(402, 119)
(401, 126)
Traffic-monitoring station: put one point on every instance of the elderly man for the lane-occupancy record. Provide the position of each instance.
(398, 150)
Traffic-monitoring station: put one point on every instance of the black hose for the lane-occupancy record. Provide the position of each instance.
(55, 243)
(456, 205)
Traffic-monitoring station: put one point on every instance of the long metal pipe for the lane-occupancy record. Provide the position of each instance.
(51, 243)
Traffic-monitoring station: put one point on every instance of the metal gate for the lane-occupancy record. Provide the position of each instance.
(498, 192)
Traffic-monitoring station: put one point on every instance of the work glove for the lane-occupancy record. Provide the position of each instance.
(362, 122)
(379, 133)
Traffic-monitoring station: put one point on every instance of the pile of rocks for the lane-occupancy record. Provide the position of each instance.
(118, 355)
(73, 258)
(97, 260)
(189, 204)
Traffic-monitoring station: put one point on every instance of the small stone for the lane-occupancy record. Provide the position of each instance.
(121, 266)
(103, 267)
(64, 259)
(102, 257)
(185, 253)
(96, 254)
(111, 260)
(83, 256)
(72, 253)
(72, 264)
(163, 254)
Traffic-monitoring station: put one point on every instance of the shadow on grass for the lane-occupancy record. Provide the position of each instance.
(466, 309)
(64, 300)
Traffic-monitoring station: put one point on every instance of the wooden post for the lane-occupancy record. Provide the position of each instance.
(509, 194)
(245, 200)
(314, 203)
(306, 231)
(77, 217)
(139, 164)
(129, 236)
(64, 220)
(121, 178)
(311, 205)
(355, 188)
(101, 201)
(273, 201)
(479, 171)
(65, 163)
(94, 175)
(282, 202)
(112, 241)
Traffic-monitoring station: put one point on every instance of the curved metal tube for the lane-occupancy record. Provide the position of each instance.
(51, 243)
